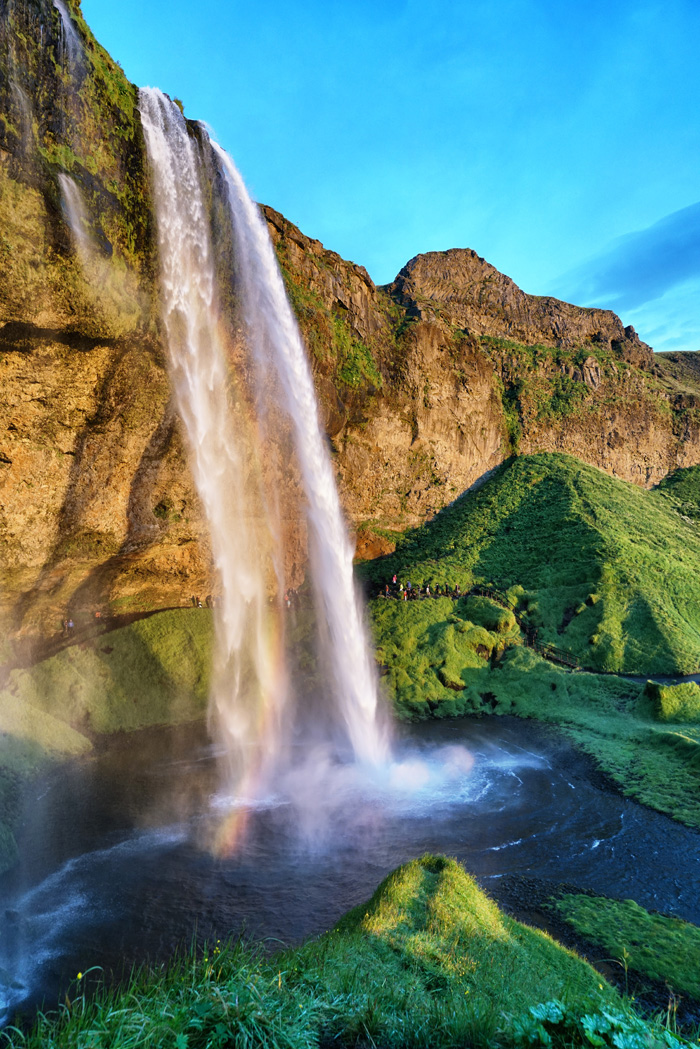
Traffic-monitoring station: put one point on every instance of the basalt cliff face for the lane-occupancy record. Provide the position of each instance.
(424, 385)
(472, 295)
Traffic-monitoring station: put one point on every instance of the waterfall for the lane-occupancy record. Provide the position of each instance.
(250, 694)
(276, 341)
(247, 675)
(76, 216)
(71, 44)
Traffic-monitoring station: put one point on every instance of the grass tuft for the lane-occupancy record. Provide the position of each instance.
(429, 961)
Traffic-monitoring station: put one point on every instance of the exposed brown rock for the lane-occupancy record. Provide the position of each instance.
(470, 293)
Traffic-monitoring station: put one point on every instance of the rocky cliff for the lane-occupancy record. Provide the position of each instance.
(467, 292)
(424, 385)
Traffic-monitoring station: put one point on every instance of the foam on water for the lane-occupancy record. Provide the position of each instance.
(37, 920)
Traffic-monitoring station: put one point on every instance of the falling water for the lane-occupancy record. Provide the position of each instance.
(76, 216)
(248, 666)
(71, 44)
(275, 339)
(250, 691)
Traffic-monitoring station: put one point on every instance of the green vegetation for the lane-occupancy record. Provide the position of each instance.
(155, 671)
(327, 332)
(80, 119)
(665, 949)
(542, 383)
(433, 649)
(682, 488)
(538, 355)
(429, 961)
(440, 663)
(356, 363)
(552, 1025)
(607, 570)
(675, 702)
(601, 568)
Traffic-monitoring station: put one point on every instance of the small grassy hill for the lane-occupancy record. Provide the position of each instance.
(429, 961)
(604, 569)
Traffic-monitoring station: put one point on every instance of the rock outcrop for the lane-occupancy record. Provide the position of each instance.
(465, 290)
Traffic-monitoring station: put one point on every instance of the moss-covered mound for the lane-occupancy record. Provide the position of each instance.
(431, 649)
(608, 571)
(440, 949)
(680, 703)
(428, 961)
(155, 671)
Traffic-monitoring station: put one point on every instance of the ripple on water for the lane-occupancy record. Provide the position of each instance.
(316, 845)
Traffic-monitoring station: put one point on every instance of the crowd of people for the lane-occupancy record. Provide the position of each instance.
(409, 592)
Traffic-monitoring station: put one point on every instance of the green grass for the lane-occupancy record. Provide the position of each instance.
(677, 703)
(439, 661)
(429, 961)
(155, 671)
(682, 487)
(665, 949)
(430, 648)
(603, 569)
(608, 571)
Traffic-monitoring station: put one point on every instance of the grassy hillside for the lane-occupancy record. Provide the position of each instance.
(664, 949)
(607, 570)
(603, 569)
(428, 961)
(154, 672)
(439, 663)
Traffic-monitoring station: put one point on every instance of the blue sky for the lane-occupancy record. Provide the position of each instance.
(560, 140)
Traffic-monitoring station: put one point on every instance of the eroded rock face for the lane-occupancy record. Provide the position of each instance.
(473, 295)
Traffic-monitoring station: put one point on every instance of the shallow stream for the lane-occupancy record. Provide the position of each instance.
(114, 869)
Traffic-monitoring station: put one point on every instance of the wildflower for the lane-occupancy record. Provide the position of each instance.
(80, 976)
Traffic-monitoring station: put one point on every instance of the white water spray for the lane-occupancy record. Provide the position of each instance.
(247, 668)
(276, 341)
(71, 44)
(250, 694)
(75, 214)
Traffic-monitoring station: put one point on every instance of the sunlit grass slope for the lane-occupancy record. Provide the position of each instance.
(664, 949)
(155, 671)
(443, 658)
(429, 961)
(609, 571)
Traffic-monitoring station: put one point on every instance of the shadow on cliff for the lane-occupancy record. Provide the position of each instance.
(70, 541)
(140, 534)
(23, 337)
